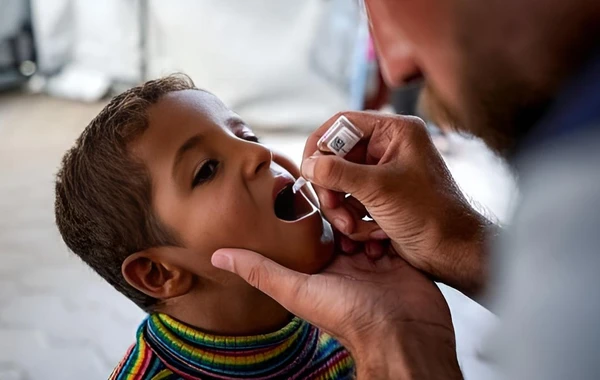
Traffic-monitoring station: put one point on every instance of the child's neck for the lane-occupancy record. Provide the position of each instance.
(235, 311)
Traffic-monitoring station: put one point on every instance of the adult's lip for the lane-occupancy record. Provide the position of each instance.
(287, 205)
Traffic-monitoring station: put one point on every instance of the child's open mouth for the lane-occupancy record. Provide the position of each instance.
(291, 207)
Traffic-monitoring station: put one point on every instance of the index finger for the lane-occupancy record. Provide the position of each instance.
(284, 285)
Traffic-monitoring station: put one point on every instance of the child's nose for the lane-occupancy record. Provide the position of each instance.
(256, 159)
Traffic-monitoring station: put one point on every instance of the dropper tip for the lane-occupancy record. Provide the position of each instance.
(298, 184)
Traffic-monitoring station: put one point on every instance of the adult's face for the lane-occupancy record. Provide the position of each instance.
(490, 67)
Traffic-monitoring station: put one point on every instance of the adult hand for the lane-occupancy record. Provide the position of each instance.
(396, 175)
(392, 318)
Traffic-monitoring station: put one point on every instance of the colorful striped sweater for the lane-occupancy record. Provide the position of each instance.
(167, 349)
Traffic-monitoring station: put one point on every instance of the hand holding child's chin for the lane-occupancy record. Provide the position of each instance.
(308, 245)
(363, 303)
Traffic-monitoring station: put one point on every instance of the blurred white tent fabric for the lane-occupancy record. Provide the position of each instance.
(257, 55)
(98, 36)
(86, 46)
(279, 63)
(54, 32)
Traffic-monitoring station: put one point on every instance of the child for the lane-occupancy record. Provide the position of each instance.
(159, 180)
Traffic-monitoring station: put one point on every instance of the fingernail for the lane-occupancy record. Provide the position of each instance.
(378, 235)
(308, 167)
(376, 249)
(222, 261)
(347, 245)
(341, 225)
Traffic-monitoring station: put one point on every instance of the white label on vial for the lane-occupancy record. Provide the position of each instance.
(343, 142)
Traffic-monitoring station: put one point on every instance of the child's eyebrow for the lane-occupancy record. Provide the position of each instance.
(185, 147)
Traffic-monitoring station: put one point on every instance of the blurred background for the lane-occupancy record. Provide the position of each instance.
(286, 66)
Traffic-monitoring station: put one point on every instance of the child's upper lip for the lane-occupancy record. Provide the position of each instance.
(281, 181)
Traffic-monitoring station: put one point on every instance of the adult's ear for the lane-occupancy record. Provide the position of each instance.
(150, 272)
(294, 170)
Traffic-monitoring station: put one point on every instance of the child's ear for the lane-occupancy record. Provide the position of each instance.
(151, 273)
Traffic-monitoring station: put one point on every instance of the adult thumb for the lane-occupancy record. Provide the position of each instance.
(284, 285)
(335, 173)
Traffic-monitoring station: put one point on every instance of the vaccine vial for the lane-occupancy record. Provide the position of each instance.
(340, 138)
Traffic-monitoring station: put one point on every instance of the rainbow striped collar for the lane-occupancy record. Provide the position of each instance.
(190, 352)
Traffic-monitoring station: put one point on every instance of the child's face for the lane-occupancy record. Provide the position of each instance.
(217, 189)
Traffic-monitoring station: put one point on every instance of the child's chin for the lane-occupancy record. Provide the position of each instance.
(322, 253)
(311, 245)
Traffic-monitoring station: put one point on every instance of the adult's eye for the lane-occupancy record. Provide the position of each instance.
(206, 172)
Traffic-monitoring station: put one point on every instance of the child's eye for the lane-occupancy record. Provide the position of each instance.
(206, 172)
(250, 137)
(246, 134)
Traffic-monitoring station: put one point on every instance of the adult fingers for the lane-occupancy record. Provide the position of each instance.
(289, 288)
(349, 218)
(335, 173)
(363, 230)
(341, 218)
(375, 250)
(340, 177)
(365, 121)
(349, 246)
(378, 131)
(328, 198)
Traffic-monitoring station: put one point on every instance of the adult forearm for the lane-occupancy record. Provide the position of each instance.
(465, 257)
(419, 352)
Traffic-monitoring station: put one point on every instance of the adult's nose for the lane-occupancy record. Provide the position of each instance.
(395, 52)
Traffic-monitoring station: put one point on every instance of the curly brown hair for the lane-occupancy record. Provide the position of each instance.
(103, 205)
